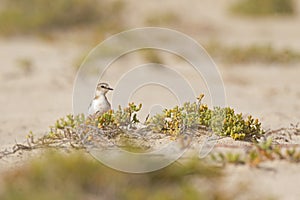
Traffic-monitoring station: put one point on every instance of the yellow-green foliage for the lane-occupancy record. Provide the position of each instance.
(225, 122)
(151, 56)
(259, 153)
(263, 7)
(222, 121)
(229, 157)
(69, 121)
(253, 53)
(78, 176)
(76, 130)
(266, 150)
(65, 127)
(30, 16)
(128, 115)
(167, 122)
(109, 120)
(163, 19)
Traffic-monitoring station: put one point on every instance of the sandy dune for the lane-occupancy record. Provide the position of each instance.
(33, 99)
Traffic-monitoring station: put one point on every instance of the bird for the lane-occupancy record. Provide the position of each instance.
(100, 104)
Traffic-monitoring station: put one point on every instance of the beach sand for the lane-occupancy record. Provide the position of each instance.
(33, 98)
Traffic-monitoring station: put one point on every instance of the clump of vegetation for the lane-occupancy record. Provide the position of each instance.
(33, 16)
(222, 121)
(151, 56)
(263, 7)
(266, 150)
(229, 157)
(162, 19)
(77, 176)
(176, 121)
(259, 153)
(25, 65)
(120, 127)
(254, 53)
(77, 130)
(127, 116)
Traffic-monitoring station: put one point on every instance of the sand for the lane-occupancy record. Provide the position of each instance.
(31, 100)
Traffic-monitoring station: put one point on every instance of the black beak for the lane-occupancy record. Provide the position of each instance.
(106, 87)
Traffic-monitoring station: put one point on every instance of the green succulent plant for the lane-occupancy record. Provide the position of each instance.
(128, 115)
(222, 121)
(175, 121)
(229, 157)
(65, 127)
(180, 120)
(260, 152)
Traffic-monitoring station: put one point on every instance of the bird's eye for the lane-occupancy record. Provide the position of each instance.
(102, 86)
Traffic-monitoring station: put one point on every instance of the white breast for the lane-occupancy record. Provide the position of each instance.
(100, 105)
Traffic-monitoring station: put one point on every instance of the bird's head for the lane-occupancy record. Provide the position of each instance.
(102, 88)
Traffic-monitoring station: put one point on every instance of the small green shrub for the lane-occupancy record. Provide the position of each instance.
(162, 19)
(253, 53)
(259, 153)
(79, 131)
(33, 16)
(128, 115)
(228, 158)
(175, 121)
(77, 176)
(263, 7)
(75, 131)
(222, 121)
(151, 56)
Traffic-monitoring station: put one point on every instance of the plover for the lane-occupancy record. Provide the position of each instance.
(100, 104)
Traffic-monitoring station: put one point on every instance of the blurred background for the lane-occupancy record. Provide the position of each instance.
(255, 44)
